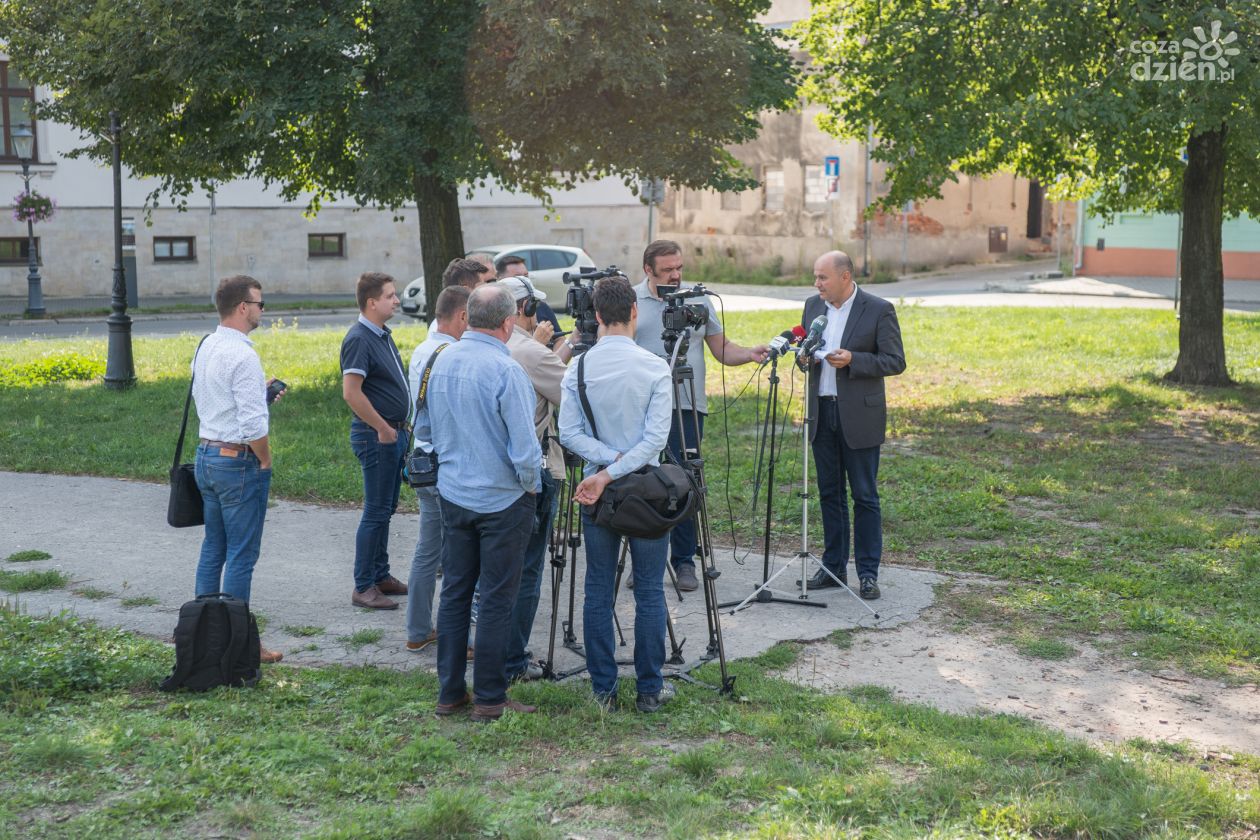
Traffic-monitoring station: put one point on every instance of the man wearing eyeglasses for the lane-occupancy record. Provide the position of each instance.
(233, 466)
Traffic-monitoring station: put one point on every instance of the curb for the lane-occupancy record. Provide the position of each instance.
(171, 316)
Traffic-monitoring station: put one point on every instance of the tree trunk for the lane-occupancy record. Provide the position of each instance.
(441, 234)
(1201, 356)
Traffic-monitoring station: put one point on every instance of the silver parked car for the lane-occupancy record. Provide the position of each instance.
(546, 265)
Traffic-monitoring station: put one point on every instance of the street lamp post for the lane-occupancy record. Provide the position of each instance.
(24, 145)
(120, 368)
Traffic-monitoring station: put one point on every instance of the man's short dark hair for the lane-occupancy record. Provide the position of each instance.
(502, 263)
(370, 286)
(613, 297)
(660, 248)
(450, 302)
(232, 292)
(464, 272)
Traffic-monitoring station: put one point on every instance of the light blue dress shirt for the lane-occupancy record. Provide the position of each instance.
(631, 397)
(479, 414)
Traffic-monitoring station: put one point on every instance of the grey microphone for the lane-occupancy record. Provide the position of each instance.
(815, 338)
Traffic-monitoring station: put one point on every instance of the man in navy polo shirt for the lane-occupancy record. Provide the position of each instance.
(374, 385)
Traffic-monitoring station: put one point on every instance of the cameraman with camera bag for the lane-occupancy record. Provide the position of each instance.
(662, 266)
(616, 419)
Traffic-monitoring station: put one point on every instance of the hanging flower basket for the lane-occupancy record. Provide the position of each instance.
(31, 206)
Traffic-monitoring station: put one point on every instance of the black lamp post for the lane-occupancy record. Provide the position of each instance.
(24, 145)
(120, 367)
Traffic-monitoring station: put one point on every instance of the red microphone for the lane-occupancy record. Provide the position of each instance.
(798, 332)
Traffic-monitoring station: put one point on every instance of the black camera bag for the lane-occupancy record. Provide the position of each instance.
(647, 503)
(421, 468)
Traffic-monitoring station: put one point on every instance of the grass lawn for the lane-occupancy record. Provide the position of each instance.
(1037, 446)
(88, 748)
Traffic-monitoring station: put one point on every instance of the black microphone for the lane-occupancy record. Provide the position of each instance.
(779, 345)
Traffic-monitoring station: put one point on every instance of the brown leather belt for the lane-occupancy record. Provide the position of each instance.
(227, 449)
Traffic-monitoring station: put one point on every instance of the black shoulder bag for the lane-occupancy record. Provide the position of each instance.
(421, 468)
(647, 503)
(185, 508)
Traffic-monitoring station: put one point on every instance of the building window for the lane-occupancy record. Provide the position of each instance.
(174, 248)
(773, 190)
(17, 101)
(326, 245)
(732, 201)
(815, 188)
(692, 199)
(15, 250)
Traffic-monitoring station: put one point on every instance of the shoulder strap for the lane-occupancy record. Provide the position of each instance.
(581, 389)
(185, 636)
(238, 620)
(183, 426)
(422, 393)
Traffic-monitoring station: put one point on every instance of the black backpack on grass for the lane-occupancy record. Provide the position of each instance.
(216, 643)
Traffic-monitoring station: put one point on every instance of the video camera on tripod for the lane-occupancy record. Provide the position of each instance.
(581, 305)
(678, 318)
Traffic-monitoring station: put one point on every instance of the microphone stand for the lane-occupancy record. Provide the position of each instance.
(763, 594)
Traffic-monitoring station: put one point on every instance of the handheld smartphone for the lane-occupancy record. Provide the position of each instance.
(273, 391)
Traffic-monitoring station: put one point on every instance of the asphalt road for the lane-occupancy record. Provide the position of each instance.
(997, 285)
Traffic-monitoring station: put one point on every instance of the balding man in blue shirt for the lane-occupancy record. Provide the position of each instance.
(479, 415)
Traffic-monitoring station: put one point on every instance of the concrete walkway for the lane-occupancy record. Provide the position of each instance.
(111, 538)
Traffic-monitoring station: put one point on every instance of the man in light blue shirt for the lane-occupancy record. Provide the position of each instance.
(449, 324)
(479, 415)
(630, 395)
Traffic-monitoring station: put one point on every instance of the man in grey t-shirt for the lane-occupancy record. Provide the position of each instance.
(662, 266)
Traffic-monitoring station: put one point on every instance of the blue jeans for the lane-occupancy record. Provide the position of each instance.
(424, 566)
(486, 548)
(234, 498)
(835, 462)
(648, 566)
(382, 480)
(531, 578)
(682, 540)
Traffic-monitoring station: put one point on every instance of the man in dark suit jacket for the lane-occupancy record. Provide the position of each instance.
(861, 345)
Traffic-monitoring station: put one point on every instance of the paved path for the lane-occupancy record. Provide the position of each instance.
(111, 535)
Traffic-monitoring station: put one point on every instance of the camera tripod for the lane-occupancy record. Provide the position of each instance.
(683, 376)
(804, 556)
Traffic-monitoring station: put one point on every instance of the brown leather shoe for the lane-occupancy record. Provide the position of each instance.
(495, 711)
(416, 647)
(444, 709)
(391, 586)
(269, 657)
(372, 599)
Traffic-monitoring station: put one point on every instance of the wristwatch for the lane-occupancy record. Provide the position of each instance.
(569, 344)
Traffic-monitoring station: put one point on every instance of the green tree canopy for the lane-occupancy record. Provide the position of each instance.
(1049, 89)
(391, 101)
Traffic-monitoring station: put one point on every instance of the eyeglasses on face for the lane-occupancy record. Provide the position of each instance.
(257, 303)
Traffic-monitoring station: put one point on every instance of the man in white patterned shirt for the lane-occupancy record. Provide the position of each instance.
(234, 458)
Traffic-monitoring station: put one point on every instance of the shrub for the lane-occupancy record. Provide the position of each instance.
(56, 367)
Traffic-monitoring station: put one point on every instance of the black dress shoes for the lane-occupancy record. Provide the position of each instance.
(869, 590)
(821, 580)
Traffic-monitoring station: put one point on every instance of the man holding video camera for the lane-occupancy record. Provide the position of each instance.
(662, 266)
(627, 392)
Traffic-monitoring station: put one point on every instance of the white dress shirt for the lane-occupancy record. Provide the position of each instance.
(229, 388)
(837, 317)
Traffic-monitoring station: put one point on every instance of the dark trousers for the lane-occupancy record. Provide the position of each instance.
(382, 480)
(485, 547)
(531, 578)
(836, 462)
(682, 540)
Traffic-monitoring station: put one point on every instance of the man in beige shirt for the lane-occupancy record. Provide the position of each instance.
(545, 369)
